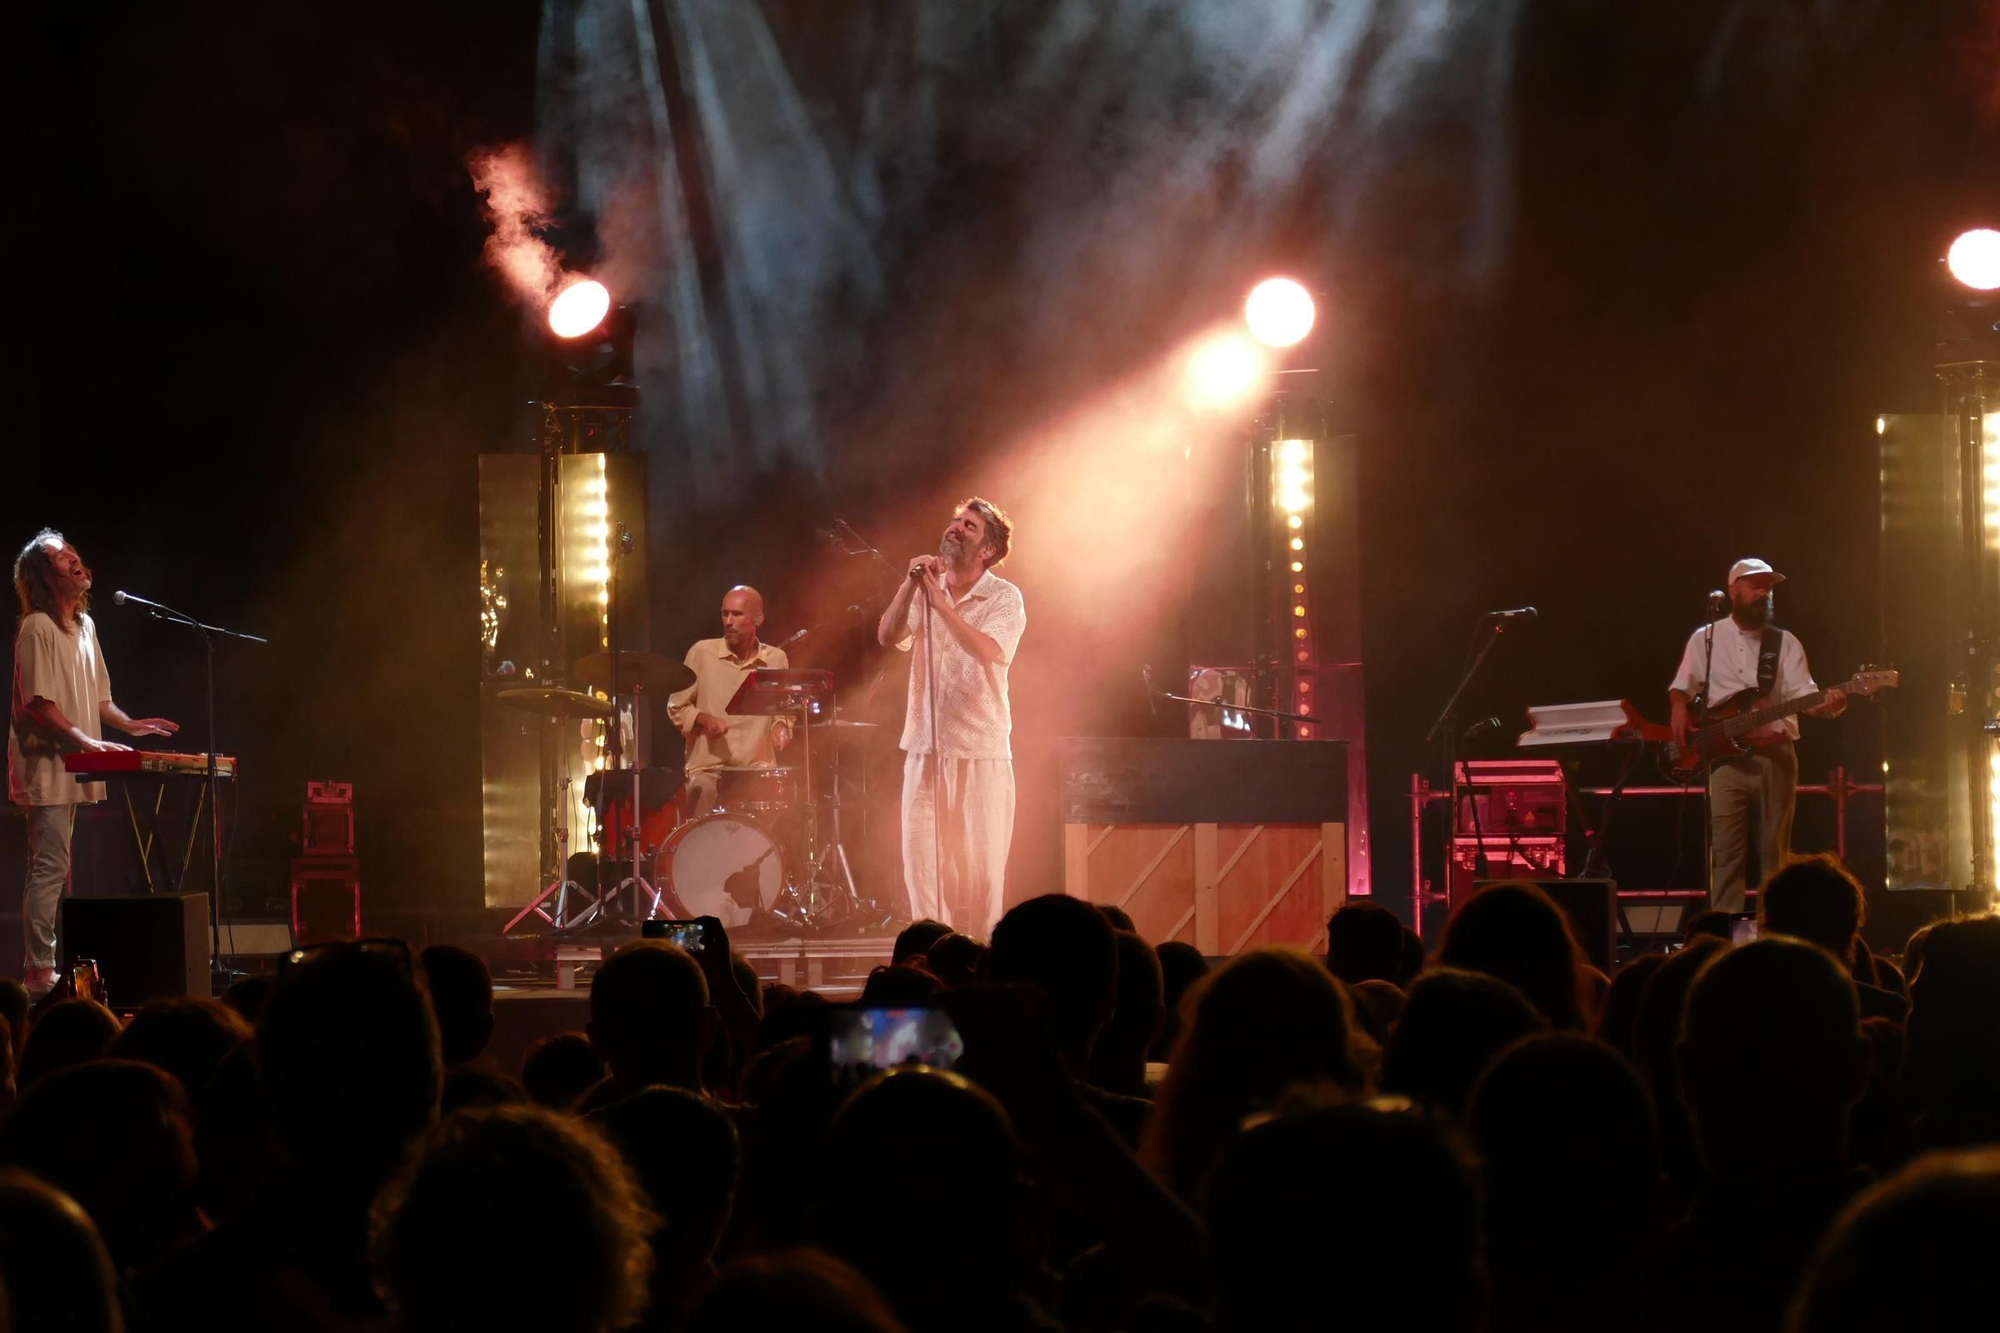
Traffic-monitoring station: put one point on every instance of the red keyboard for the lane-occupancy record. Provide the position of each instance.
(99, 764)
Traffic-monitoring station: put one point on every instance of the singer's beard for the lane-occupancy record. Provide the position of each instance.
(1754, 615)
(952, 551)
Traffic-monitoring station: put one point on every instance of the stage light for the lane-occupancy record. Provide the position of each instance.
(1298, 567)
(1298, 544)
(1224, 371)
(1279, 312)
(1974, 259)
(579, 308)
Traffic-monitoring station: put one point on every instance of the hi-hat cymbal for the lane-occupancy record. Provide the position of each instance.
(555, 703)
(636, 671)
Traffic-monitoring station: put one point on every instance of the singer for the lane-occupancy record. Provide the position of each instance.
(716, 739)
(1738, 652)
(62, 699)
(963, 622)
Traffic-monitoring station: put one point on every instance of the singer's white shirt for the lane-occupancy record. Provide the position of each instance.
(1735, 669)
(973, 716)
(68, 670)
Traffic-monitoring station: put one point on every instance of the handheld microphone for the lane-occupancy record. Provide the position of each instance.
(1524, 614)
(1482, 726)
(916, 573)
(625, 540)
(1718, 602)
(800, 634)
(122, 598)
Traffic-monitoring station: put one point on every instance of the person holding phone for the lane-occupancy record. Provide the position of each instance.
(961, 623)
(61, 704)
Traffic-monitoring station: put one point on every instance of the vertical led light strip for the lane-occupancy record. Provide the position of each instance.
(1291, 496)
(1989, 462)
(592, 553)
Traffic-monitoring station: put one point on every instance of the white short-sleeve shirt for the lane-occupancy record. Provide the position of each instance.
(973, 717)
(1735, 668)
(68, 670)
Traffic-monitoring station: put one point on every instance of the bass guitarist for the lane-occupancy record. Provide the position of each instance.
(1745, 651)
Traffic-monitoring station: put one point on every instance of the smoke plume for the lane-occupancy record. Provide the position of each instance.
(517, 208)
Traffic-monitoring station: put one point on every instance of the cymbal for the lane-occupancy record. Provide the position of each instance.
(555, 703)
(842, 724)
(636, 671)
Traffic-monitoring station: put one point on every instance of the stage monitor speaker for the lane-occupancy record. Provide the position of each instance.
(147, 945)
(1592, 907)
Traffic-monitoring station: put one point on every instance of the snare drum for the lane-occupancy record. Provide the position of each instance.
(721, 865)
(754, 787)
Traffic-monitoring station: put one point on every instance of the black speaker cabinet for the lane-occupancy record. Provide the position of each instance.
(146, 945)
(1592, 906)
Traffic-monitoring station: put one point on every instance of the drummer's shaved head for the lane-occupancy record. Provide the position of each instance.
(742, 613)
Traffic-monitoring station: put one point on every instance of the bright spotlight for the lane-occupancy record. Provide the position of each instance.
(579, 308)
(1224, 371)
(1279, 312)
(1974, 259)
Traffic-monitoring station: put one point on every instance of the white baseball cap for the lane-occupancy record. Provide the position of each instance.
(1745, 568)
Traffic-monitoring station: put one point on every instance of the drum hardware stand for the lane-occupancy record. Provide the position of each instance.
(643, 892)
(559, 888)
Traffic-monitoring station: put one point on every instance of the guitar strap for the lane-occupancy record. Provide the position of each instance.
(1767, 659)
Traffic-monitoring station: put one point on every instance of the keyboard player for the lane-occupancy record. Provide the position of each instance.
(61, 703)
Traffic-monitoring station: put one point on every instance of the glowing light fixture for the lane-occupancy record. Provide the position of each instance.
(579, 308)
(1974, 259)
(1279, 312)
(1224, 371)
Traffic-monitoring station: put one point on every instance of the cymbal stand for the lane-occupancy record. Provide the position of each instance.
(801, 908)
(826, 865)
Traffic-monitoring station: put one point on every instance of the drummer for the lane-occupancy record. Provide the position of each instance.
(715, 739)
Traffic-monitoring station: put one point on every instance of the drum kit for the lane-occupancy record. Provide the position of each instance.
(757, 859)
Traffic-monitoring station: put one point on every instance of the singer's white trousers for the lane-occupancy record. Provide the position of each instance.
(958, 823)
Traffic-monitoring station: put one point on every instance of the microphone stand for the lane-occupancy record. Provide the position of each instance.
(1699, 710)
(1447, 726)
(167, 615)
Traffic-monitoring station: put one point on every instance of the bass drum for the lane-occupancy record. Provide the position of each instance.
(722, 865)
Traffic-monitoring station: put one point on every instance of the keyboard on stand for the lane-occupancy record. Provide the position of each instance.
(100, 765)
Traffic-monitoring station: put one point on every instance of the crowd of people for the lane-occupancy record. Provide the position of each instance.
(1790, 1133)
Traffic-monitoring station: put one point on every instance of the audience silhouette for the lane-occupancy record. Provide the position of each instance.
(1129, 1141)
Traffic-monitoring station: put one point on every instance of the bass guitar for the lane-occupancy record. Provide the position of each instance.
(1723, 727)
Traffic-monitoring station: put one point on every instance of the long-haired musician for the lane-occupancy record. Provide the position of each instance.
(62, 700)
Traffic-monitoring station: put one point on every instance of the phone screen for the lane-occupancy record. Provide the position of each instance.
(688, 934)
(1743, 928)
(861, 1042)
(86, 982)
